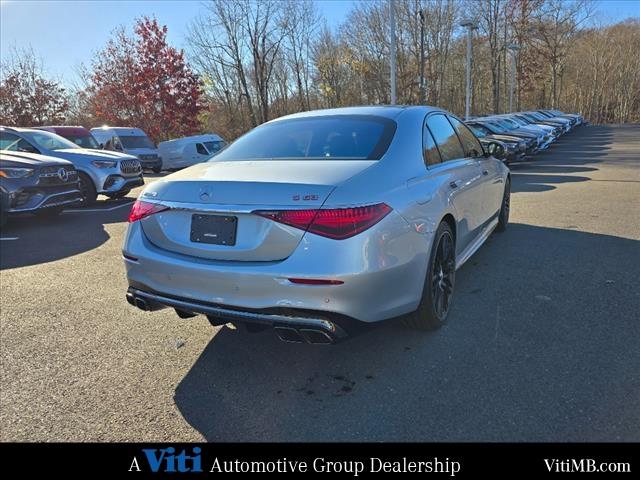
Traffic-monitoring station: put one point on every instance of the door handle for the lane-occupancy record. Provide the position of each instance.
(453, 184)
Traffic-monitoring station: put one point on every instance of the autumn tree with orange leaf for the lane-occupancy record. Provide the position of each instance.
(142, 81)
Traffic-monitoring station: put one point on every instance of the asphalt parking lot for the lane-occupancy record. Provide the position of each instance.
(542, 342)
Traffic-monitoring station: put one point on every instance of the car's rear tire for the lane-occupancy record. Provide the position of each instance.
(505, 207)
(87, 189)
(438, 286)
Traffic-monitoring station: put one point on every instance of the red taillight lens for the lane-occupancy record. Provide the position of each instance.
(336, 223)
(343, 223)
(142, 209)
(296, 218)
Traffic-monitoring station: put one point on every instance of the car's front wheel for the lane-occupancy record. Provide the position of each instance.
(87, 189)
(438, 286)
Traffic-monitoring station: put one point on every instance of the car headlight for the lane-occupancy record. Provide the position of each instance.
(16, 172)
(104, 163)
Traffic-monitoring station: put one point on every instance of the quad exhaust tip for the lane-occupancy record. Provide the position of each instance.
(303, 335)
(138, 302)
(325, 333)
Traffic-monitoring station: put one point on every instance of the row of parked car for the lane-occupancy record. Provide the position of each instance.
(522, 134)
(45, 169)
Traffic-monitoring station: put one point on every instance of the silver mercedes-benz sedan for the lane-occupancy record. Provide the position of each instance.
(318, 222)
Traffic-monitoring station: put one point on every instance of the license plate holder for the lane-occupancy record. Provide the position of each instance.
(214, 229)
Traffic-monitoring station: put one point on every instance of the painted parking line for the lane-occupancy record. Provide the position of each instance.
(82, 210)
(9, 238)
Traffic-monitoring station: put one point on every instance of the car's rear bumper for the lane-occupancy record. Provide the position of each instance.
(291, 325)
(382, 272)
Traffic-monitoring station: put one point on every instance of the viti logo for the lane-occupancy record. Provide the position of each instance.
(166, 460)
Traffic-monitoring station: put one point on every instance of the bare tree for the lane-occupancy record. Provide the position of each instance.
(301, 30)
(555, 26)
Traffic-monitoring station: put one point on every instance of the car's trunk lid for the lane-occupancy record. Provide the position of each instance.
(231, 191)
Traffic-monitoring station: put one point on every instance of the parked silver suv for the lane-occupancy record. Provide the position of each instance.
(112, 174)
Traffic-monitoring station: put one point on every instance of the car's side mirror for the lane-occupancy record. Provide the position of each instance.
(495, 150)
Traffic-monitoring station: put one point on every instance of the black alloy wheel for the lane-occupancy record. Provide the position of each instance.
(442, 275)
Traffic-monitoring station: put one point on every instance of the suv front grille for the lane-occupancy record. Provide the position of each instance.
(130, 166)
(56, 175)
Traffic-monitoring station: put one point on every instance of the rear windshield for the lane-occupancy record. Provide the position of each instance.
(137, 141)
(334, 137)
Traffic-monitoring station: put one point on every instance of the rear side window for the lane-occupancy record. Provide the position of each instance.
(332, 137)
(429, 148)
(469, 141)
(445, 137)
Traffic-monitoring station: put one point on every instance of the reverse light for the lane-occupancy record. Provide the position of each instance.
(335, 223)
(142, 209)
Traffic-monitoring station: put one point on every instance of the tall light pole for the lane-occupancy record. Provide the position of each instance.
(393, 52)
(470, 26)
(514, 52)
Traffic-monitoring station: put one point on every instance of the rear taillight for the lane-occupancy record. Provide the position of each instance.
(336, 223)
(142, 209)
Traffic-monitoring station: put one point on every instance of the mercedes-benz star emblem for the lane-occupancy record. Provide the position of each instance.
(63, 175)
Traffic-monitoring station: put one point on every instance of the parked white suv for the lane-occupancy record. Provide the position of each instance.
(132, 141)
